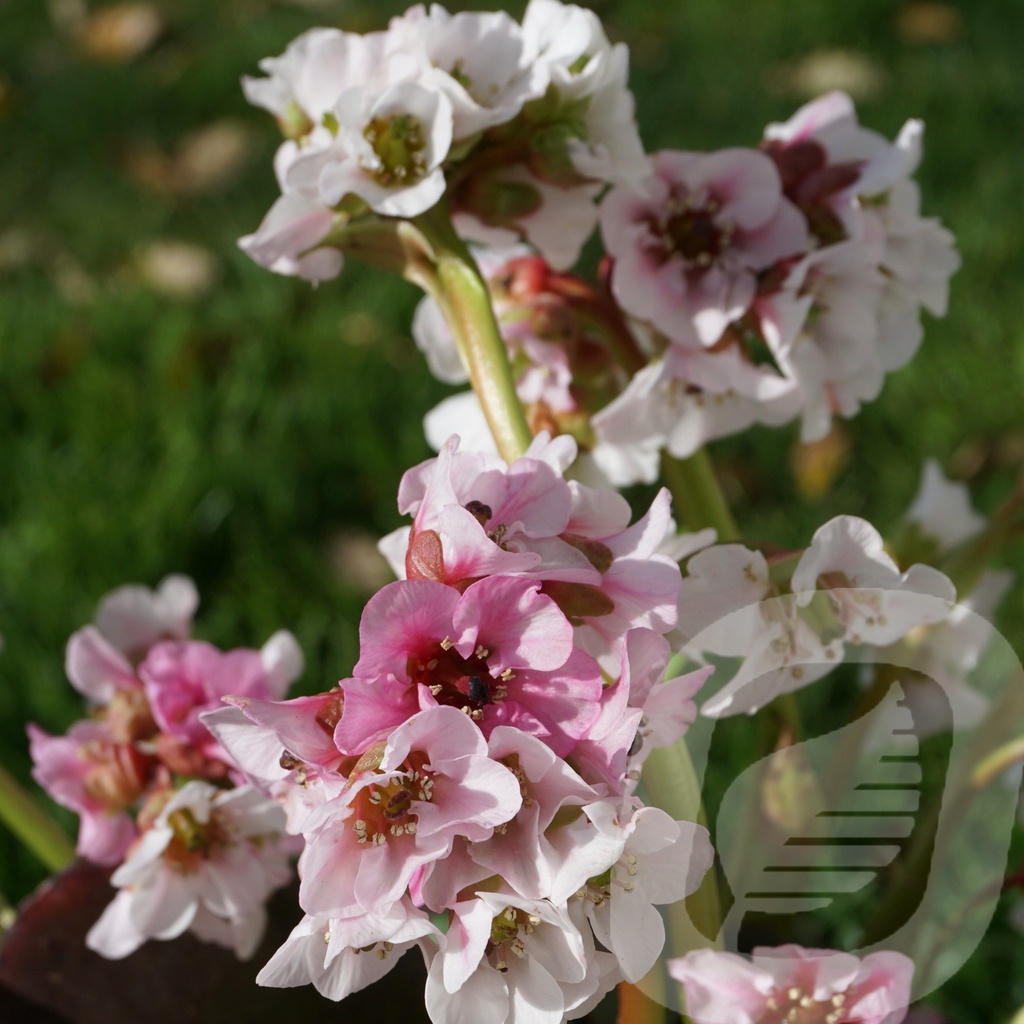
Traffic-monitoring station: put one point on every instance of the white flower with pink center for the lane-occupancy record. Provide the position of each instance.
(211, 856)
(792, 984)
(476, 58)
(585, 75)
(688, 247)
(406, 802)
(843, 589)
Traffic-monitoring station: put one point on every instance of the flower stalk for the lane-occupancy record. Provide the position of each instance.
(32, 825)
(697, 495)
(459, 289)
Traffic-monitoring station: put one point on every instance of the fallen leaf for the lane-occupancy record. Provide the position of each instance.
(824, 70)
(356, 562)
(211, 157)
(930, 23)
(204, 161)
(120, 33)
(180, 270)
(816, 465)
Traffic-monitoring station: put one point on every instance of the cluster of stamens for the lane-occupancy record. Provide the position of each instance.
(463, 683)
(794, 1006)
(399, 145)
(387, 810)
(506, 937)
(692, 232)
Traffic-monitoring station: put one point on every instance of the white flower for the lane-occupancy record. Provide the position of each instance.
(942, 509)
(208, 863)
(476, 58)
(587, 74)
(388, 149)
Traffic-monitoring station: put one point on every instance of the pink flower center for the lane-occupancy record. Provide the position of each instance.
(794, 1006)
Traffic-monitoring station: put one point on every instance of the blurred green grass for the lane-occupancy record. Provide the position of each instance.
(238, 434)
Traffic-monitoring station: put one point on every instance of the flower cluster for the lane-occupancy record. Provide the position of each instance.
(157, 794)
(481, 761)
(520, 125)
(783, 282)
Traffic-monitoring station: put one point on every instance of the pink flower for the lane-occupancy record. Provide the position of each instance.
(401, 811)
(688, 248)
(184, 678)
(502, 652)
(98, 779)
(821, 986)
(133, 617)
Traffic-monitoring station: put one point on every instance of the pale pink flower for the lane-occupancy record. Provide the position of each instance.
(433, 781)
(209, 854)
(818, 984)
(285, 749)
(184, 678)
(287, 239)
(133, 617)
(689, 245)
(98, 779)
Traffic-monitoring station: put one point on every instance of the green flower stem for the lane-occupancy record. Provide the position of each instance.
(671, 784)
(32, 825)
(462, 294)
(697, 495)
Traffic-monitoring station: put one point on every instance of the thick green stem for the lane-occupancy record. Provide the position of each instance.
(466, 304)
(671, 784)
(32, 825)
(697, 495)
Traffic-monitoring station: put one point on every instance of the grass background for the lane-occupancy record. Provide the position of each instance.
(252, 433)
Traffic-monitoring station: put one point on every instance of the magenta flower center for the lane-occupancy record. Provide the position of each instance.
(693, 233)
(458, 682)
